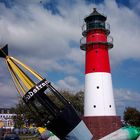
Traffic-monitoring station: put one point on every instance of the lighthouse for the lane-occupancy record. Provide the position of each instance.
(99, 107)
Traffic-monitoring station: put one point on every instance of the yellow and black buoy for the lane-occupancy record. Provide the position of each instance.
(61, 119)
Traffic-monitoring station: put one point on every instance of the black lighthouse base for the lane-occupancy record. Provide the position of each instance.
(101, 126)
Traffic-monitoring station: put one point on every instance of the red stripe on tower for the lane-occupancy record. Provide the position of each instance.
(98, 99)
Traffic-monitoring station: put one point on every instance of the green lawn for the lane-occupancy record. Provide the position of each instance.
(25, 137)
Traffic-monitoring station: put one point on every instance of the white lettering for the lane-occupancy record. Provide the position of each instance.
(31, 93)
(43, 84)
(40, 86)
(35, 90)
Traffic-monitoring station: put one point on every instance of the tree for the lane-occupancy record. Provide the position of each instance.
(24, 114)
(77, 100)
(132, 116)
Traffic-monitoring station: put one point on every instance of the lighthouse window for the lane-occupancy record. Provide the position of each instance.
(97, 87)
(94, 106)
(93, 69)
(96, 51)
(110, 106)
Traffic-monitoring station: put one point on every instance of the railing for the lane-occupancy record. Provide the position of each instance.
(110, 39)
(83, 40)
(83, 27)
(109, 42)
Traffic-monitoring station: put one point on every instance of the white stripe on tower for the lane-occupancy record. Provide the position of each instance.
(99, 100)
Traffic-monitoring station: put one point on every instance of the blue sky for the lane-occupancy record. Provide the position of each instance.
(46, 34)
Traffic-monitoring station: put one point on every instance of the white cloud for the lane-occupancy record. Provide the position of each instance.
(70, 83)
(125, 31)
(38, 33)
(75, 56)
(135, 5)
(125, 98)
(29, 2)
(36, 27)
(8, 96)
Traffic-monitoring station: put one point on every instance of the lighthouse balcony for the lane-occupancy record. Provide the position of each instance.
(84, 44)
(92, 26)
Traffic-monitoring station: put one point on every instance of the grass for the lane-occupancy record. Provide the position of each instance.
(28, 137)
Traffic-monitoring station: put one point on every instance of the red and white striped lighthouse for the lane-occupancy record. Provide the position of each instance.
(99, 106)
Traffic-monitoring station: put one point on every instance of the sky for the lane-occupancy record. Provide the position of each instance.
(45, 35)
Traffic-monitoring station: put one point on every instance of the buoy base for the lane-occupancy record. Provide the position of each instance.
(101, 126)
